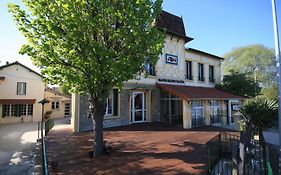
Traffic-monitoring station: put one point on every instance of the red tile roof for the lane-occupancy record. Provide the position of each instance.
(17, 101)
(193, 92)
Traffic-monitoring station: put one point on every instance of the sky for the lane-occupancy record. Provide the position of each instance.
(217, 26)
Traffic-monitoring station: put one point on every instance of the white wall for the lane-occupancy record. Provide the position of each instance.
(34, 90)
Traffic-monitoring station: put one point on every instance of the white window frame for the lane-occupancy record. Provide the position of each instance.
(107, 105)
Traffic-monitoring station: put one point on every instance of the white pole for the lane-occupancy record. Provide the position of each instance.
(277, 55)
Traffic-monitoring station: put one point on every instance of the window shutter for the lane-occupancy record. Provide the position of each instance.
(24, 88)
(115, 102)
(18, 88)
(3, 110)
(18, 109)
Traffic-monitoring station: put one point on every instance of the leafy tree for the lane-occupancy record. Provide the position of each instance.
(90, 46)
(240, 84)
(270, 92)
(64, 90)
(253, 59)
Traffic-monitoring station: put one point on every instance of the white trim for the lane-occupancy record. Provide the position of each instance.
(133, 110)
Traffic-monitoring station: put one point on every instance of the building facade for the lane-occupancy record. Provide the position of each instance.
(179, 89)
(20, 91)
(59, 104)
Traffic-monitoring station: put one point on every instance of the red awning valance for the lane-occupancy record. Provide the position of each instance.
(17, 101)
(193, 92)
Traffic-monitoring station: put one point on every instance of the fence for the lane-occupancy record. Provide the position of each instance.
(222, 149)
(223, 156)
(44, 127)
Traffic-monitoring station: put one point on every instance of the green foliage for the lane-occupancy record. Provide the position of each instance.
(64, 90)
(250, 58)
(89, 46)
(260, 112)
(270, 92)
(239, 84)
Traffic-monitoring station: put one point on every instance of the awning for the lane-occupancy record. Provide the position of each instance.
(17, 101)
(193, 92)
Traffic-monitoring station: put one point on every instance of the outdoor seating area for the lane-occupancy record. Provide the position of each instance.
(147, 148)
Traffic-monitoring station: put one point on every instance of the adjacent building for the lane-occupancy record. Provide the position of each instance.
(179, 89)
(20, 91)
(21, 88)
(59, 104)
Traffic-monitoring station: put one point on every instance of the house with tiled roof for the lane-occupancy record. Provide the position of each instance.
(178, 89)
(21, 89)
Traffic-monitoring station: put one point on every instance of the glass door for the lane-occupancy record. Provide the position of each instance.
(138, 107)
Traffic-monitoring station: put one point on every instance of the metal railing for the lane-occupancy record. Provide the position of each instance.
(43, 128)
(223, 156)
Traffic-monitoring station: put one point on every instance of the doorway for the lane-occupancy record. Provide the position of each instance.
(138, 107)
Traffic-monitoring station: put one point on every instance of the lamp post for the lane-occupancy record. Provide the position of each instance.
(43, 102)
(277, 56)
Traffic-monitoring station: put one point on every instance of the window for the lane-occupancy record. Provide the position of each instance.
(197, 115)
(55, 105)
(112, 103)
(6, 110)
(23, 109)
(189, 70)
(149, 68)
(30, 109)
(200, 72)
(13, 110)
(211, 74)
(108, 109)
(21, 88)
(17, 110)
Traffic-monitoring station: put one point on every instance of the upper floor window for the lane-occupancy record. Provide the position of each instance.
(112, 103)
(201, 72)
(55, 105)
(149, 68)
(189, 70)
(211, 74)
(21, 88)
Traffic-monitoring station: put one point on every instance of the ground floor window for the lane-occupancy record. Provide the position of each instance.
(197, 115)
(17, 110)
(215, 111)
(171, 108)
(112, 103)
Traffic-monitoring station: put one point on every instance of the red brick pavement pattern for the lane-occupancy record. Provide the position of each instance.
(143, 149)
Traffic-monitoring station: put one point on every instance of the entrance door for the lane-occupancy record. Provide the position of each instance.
(138, 107)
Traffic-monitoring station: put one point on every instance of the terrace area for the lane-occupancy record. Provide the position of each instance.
(150, 148)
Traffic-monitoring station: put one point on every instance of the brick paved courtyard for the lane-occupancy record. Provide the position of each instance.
(137, 149)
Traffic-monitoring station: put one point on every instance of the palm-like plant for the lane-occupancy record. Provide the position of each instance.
(257, 114)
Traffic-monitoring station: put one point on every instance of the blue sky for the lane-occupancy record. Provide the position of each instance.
(217, 26)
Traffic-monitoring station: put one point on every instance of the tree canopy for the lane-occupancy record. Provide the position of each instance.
(240, 84)
(90, 46)
(251, 59)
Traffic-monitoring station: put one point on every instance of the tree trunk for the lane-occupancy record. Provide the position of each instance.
(96, 109)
